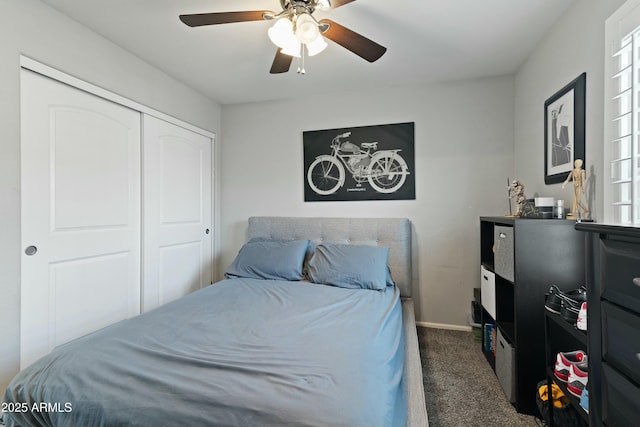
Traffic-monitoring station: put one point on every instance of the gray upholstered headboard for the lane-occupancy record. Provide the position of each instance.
(394, 233)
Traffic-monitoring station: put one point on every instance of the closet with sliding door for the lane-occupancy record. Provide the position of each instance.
(116, 212)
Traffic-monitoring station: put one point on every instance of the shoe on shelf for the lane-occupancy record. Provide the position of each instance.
(555, 296)
(578, 378)
(569, 311)
(581, 322)
(565, 360)
(584, 400)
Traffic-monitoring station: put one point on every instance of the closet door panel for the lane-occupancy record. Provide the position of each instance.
(89, 162)
(80, 189)
(177, 212)
(180, 270)
(105, 297)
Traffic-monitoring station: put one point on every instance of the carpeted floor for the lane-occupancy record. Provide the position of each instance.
(461, 388)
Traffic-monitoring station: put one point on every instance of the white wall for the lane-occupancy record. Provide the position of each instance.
(463, 151)
(33, 29)
(574, 45)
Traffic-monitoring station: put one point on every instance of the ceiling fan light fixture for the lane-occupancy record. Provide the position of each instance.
(316, 46)
(281, 33)
(296, 32)
(306, 28)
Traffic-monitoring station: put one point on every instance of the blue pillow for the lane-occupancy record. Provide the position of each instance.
(269, 259)
(350, 266)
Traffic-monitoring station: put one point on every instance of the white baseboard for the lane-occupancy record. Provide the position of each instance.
(443, 326)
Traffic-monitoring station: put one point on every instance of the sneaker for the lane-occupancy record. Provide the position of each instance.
(584, 400)
(564, 362)
(555, 296)
(578, 377)
(569, 311)
(581, 322)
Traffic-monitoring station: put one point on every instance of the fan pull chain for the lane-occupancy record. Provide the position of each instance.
(301, 60)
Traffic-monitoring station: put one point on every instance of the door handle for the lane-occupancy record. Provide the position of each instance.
(207, 231)
(31, 250)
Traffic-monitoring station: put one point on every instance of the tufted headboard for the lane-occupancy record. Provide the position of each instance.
(394, 233)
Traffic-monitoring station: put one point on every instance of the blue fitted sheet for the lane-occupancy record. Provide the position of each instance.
(243, 352)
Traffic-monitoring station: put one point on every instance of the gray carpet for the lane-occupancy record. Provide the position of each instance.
(461, 388)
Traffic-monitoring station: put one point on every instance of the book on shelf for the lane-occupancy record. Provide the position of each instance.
(490, 338)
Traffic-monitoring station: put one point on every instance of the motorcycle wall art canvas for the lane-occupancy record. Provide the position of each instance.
(360, 163)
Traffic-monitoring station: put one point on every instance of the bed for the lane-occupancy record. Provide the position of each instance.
(310, 328)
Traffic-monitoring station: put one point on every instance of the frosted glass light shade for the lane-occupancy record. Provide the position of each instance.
(293, 48)
(316, 46)
(281, 33)
(307, 33)
(306, 28)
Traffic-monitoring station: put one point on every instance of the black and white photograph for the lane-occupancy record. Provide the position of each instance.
(564, 130)
(360, 163)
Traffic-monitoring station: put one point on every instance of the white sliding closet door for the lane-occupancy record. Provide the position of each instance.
(80, 190)
(177, 212)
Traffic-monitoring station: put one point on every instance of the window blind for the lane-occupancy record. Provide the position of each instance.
(622, 115)
(623, 130)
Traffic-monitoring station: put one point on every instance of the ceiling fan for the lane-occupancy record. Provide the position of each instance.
(296, 32)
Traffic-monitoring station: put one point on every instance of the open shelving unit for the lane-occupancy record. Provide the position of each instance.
(524, 257)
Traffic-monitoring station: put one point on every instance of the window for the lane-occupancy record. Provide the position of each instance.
(622, 115)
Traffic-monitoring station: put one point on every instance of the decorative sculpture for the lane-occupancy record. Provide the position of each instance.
(524, 207)
(578, 176)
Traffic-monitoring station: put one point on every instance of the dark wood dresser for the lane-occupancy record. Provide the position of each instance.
(613, 326)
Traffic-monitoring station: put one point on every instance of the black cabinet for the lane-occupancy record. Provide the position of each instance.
(613, 308)
(525, 256)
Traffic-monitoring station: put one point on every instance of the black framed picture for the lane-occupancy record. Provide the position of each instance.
(360, 163)
(564, 116)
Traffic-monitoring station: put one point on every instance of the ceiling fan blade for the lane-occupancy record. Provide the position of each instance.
(281, 63)
(200, 19)
(356, 43)
(338, 3)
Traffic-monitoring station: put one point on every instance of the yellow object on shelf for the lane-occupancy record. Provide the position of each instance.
(559, 399)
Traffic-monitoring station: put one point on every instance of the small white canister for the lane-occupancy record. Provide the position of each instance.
(559, 211)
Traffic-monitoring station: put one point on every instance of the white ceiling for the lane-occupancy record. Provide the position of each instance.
(427, 41)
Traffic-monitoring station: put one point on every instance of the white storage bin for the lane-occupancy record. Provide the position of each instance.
(488, 291)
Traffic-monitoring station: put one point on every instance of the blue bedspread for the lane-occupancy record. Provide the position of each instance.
(243, 352)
